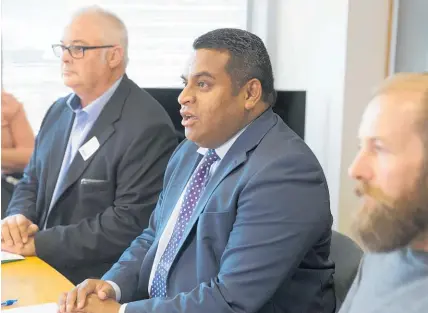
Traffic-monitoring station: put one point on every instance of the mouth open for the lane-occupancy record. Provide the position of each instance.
(188, 119)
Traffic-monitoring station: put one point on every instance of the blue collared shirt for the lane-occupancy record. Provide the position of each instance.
(84, 119)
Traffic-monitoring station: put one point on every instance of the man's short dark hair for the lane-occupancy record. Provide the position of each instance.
(248, 58)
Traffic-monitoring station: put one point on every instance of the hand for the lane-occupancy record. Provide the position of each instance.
(16, 229)
(95, 305)
(79, 294)
(28, 249)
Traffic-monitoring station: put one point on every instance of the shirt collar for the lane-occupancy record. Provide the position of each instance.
(224, 148)
(95, 107)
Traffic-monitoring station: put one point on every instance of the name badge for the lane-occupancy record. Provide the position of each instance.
(89, 148)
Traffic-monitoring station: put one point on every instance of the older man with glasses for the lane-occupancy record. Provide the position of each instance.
(97, 169)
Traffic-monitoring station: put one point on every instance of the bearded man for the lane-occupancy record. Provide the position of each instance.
(391, 170)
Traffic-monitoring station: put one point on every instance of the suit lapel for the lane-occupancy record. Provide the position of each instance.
(179, 181)
(235, 157)
(78, 165)
(59, 145)
(102, 129)
(172, 193)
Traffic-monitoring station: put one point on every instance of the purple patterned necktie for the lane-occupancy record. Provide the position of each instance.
(191, 196)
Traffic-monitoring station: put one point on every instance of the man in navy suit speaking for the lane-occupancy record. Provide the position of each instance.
(243, 223)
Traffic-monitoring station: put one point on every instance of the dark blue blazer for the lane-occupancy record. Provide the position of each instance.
(105, 200)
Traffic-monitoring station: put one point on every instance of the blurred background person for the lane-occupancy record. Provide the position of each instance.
(17, 144)
(391, 172)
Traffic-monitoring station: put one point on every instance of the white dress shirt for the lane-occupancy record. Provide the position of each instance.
(167, 233)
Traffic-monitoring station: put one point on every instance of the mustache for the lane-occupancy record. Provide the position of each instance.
(364, 189)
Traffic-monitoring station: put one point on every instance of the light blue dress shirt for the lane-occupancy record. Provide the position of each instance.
(83, 121)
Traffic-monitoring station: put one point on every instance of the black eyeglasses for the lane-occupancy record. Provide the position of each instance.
(76, 52)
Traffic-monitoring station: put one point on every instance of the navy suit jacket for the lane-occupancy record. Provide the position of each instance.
(258, 240)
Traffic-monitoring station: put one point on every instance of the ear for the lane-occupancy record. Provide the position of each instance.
(253, 93)
(115, 56)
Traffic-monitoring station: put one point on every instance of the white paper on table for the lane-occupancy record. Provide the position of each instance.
(7, 256)
(41, 308)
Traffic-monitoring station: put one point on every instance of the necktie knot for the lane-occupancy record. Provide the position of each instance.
(211, 156)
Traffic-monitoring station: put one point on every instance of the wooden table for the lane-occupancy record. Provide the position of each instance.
(31, 281)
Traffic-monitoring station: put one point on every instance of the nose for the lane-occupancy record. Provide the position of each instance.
(361, 168)
(186, 96)
(66, 57)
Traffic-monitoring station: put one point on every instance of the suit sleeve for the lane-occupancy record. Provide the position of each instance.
(25, 194)
(282, 212)
(125, 272)
(104, 237)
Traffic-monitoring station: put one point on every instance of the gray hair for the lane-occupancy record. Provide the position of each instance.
(117, 28)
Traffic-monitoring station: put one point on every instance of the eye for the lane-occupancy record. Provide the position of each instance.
(202, 84)
(184, 82)
(76, 49)
(379, 148)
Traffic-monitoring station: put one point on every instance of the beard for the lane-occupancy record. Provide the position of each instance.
(384, 225)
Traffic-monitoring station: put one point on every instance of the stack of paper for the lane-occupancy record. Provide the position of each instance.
(10, 257)
(42, 308)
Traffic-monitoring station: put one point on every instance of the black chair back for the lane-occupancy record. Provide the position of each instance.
(346, 255)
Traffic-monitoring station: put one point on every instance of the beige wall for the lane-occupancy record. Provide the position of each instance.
(367, 45)
(337, 51)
